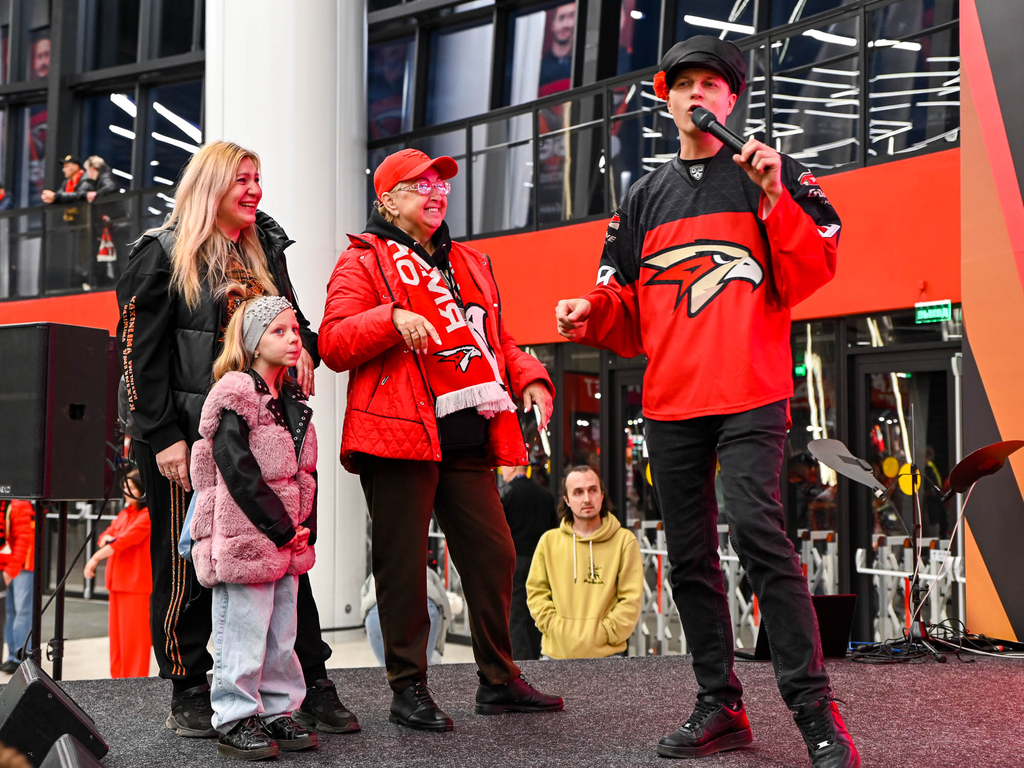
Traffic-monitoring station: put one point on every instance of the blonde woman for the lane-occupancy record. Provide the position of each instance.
(182, 285)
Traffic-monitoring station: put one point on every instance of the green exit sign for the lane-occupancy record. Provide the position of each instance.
(800, 369)
(933, 311)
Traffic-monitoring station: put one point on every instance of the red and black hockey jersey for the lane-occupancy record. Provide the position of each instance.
(692, 276)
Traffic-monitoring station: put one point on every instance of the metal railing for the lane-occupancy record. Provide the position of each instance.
(571, 156)
(52, 250)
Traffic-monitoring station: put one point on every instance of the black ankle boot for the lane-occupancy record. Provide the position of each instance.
(247, 741)
(323, 710)
(712, 727)
(414, 707)
(828, 742)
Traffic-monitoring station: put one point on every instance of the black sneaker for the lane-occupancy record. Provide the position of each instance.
(289, 735)
(828, 742)
(191, 713)
(515, 696)
(247, 741)
(323, 710)
(414, 707)
(712, 727)
(9, 667)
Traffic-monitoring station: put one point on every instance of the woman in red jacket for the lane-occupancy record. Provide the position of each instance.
(416, 319)
(129, 580)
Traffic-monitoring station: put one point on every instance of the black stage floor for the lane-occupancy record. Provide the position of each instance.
(928, 714)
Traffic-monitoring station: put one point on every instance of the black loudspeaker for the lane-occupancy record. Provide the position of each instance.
(53, 411)
(35, 712)
(69, 753)
(835, 620)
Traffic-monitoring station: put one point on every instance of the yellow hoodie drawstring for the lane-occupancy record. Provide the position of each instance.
(592, 560)
(574, 557)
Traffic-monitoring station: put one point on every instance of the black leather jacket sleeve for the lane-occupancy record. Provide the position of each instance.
(244, 481)
(145, 332)
(105, 184)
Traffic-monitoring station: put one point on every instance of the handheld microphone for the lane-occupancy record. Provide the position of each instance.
(708, 123)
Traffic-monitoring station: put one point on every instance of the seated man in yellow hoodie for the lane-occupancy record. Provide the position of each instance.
(586, 579)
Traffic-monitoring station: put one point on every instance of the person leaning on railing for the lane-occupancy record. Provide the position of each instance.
(99, 180)
(74, 177)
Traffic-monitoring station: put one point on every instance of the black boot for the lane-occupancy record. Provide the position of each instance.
(247, 741)
(713, 727)
(828, 742)
(289, 735)
(323, 710)
(191, 713)
(515, 696)
(414, 707)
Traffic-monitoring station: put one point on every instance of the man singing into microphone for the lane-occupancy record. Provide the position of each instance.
(702, 263)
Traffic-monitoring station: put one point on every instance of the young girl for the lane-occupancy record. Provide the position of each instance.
(253, 473)
(129, 580)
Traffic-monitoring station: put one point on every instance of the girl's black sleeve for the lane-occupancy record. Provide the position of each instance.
(244, 481)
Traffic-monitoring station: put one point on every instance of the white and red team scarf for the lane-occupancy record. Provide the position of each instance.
(463, 372)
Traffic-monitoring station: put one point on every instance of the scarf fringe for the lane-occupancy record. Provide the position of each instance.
(489, 398)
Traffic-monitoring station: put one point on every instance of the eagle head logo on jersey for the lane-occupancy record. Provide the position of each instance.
(701, 270)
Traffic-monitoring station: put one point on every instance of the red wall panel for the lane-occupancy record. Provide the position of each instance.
(900, 244)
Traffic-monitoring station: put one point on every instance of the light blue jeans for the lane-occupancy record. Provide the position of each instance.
(255, 669)
(19, 613)
(376, 639)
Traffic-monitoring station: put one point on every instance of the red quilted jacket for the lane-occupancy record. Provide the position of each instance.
(389, 410)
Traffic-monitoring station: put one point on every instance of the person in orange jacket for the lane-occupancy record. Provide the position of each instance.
(19, 535)
(129, 579)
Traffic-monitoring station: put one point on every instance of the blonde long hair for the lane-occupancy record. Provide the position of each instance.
(233, 356)
(201, 251)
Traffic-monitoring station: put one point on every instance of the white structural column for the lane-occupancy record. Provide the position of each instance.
(287, 81)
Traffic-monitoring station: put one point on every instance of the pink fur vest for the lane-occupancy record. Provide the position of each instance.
(227, 546)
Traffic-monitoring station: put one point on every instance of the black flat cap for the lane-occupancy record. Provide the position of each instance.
(710, 52)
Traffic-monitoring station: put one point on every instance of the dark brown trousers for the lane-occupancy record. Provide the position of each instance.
(463, 494)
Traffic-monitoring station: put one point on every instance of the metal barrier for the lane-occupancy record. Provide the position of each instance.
(50, 250)
(891, 573)
(659, 631)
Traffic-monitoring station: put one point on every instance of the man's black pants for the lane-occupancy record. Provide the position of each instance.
(180, 607)
(749, 447)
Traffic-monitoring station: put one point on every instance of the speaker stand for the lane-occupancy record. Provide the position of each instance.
(56, 645)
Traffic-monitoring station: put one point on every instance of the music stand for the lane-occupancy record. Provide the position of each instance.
(981, 463)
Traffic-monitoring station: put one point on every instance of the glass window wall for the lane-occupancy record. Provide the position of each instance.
(5, 40)
(459, 75)
(728, 20)
(503, 174)
(170, 27)
(791, 11)
(639, 24)
(914, 80)
(389, 88)
(539, 60)
(111, 33)
(175, 116)
(36, 39)
(108, 130)
(571, 176)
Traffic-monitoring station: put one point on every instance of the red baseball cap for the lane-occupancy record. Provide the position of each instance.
(408, 164)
